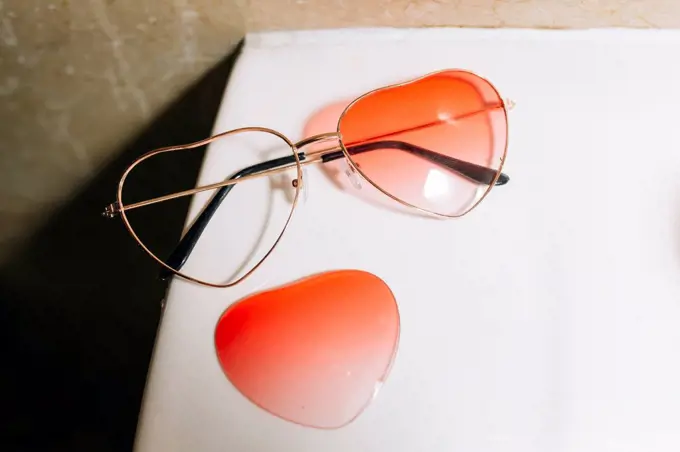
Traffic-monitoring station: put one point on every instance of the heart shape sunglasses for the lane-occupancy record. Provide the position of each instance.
(435, 144)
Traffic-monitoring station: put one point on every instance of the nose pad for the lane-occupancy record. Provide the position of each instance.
(353, 177)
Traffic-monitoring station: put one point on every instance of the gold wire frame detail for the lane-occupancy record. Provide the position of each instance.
(311, 157)
(121, 208)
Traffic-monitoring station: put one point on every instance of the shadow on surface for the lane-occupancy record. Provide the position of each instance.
(79, 306)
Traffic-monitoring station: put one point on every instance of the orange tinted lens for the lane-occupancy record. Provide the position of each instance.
(436, 143)
(314, 352)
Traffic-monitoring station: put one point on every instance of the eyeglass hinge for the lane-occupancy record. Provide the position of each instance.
(509, 104)
(111, 211)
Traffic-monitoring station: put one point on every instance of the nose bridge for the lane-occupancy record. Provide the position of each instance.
(322, 137)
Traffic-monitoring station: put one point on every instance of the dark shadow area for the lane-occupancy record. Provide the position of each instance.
(79, 306)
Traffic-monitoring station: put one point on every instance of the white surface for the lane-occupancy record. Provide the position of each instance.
(548, 319)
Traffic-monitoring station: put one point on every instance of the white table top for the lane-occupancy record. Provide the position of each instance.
(547, 319)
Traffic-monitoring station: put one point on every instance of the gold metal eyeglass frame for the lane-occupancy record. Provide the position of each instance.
(300, 160)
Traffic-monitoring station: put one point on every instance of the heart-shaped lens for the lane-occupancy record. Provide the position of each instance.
(313, 352)
(436, 143)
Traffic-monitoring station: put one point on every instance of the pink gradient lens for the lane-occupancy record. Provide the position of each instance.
(417, 141)
(313, 352)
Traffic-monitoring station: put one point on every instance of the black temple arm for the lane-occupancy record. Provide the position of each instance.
(186, 245)
(472, 171)
(183, 250)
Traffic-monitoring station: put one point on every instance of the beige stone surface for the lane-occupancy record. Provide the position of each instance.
(285, 14)
(78, 78)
